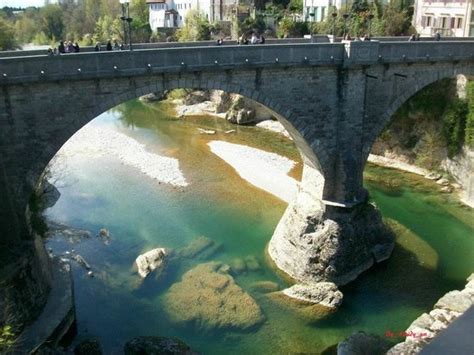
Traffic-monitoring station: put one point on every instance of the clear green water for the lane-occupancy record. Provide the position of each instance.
(435, 253)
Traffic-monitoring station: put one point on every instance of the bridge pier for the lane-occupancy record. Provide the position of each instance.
(321, 241)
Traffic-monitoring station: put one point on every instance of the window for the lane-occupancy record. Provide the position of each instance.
(428, 21)
(459, 22)
(323, 10)
(444, 22)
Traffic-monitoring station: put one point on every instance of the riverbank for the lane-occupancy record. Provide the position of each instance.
(267, 171)
(94, 142)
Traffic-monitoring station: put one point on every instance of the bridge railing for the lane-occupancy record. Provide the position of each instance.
(138, 46)
(431, 51)
(142, 62)
(314, 39)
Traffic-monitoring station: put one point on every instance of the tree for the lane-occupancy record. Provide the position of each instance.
(107, 29)
(296, 6)
(7, 36)
(397, 21)
(289, 28)
(196, 27)
(52, 21)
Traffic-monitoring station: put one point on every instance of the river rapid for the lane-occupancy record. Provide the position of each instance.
(104, 188)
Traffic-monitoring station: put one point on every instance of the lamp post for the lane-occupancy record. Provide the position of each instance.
(345, 16)
(334, 15)
(370, 17)
(126, 18)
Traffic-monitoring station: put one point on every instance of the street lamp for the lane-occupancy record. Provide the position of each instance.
(126, 18)
(370, 17)
(334, 15)
(345, 16)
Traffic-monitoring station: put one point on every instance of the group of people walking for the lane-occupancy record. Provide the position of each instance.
(109, 46)
(254, 39)
(64, 48)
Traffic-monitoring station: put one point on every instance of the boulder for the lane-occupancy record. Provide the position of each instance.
(361, 343)
(152, 97)
(443, 182)
(457, 301)
(323, 293)
(156, 345)
(433, 176)
(150, 261)
(196, 97)
(208, 297)
(238, 266)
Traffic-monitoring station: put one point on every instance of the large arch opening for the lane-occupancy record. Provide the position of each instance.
(408, 178)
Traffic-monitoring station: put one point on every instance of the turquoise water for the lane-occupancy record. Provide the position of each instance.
(433, 256)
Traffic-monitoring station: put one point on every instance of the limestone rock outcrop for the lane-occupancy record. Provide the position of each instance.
(428, 325)
(150, 261)
(315, 242)
(208, 297)
(156, 345)
(323, 293)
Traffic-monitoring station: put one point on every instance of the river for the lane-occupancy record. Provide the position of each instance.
(434, 252)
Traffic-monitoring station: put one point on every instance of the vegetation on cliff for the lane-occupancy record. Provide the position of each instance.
(432, 125)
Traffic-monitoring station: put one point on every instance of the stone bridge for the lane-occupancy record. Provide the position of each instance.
(333, 98)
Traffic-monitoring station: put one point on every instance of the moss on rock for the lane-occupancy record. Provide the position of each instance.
(208, 297)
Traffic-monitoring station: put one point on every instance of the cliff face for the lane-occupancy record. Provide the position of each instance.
(434, 130)
(234, 107)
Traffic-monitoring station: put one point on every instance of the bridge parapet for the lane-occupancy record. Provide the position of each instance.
(143, 62)
(397, 52)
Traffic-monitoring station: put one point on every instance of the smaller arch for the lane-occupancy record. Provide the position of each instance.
(410, 91)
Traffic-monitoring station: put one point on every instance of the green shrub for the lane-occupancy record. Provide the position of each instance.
(469, 130)
(454, 124)
(7, 338)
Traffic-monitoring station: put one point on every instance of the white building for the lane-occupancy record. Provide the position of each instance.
(172, 13)
(451, 18)
(318, 10)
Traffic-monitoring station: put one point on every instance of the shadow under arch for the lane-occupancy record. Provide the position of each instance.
(408, 92)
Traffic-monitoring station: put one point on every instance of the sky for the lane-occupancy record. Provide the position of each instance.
(21, 3)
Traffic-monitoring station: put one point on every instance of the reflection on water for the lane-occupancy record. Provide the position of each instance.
(434, 251)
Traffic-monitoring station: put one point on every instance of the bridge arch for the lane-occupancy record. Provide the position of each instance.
(411, 88)
(285, 115)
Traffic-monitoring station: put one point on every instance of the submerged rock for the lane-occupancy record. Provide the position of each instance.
(81, 261)
(150, 261)
(201, 246)
(206, 131)
(361, 343)
(88, 347)
(104, 233)
(238, 266)
(323, 293)
(156, 345)
(265, 286)
(208, 297)
(252, 263)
